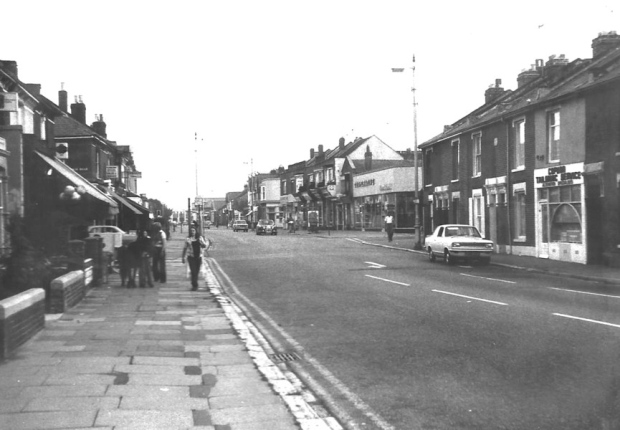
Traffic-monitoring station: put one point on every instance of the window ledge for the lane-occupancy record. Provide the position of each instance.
(520, 240)
(519, 169)
(454, 180)
(477, 176)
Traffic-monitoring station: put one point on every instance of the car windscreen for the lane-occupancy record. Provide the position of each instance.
(462, 231)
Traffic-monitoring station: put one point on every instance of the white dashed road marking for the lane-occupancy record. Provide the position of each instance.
(388, 280)
(489, 279)
(587, 320)
(471, 298)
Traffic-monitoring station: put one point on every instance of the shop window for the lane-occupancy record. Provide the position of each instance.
(566, 224)
(561, 214)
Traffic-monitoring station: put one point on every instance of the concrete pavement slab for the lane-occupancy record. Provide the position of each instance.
(63, 391)
(149, 403)
(252, 414)
(47, 420)
(161, 379)
(146, 420)
(71, 403)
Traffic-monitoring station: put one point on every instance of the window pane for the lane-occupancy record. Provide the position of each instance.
(576, 193)
(554, 195)
(565, 194)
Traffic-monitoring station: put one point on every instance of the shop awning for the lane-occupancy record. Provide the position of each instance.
(77, 180)
(122, 200)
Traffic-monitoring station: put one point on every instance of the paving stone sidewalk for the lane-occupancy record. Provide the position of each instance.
(154, 358)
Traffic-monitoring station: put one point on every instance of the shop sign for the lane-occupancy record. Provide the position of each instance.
(386, 187)
(558, 176)
(111, 172)
(364, 183)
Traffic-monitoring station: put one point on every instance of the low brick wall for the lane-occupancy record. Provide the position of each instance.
(21, 317)
(66, 291)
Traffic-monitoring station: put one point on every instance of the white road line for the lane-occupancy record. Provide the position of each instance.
(489, 279)
(584, 292)
(375, 265)
(472, 298)
(387, 280)
(588, 320)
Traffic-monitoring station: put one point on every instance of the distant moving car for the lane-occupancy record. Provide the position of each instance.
(266, 226)
(240, 225)
(113, 237)
(458, 242)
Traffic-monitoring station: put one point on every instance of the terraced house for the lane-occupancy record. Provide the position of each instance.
(537, 169)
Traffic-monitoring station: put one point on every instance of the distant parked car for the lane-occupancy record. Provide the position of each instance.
(266, 226)
(458, 242)
(240, 225)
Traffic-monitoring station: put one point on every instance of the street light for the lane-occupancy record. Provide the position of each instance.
(416, 199)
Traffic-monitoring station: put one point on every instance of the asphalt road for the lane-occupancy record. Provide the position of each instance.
(393, 341)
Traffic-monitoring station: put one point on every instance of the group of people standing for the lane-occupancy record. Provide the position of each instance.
(149, 254)
(146, 256)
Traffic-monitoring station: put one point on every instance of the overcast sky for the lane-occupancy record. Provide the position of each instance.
(262, 82)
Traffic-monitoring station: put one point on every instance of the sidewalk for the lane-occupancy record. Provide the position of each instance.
(405, 242)
(156, 358)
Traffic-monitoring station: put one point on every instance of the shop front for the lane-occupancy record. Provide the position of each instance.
(560, 219)
(376, 193)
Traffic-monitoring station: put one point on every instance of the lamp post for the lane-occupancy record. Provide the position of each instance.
(416, 199)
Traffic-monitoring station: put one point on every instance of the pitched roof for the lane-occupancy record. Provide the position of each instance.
(579, 76)
(67, 126)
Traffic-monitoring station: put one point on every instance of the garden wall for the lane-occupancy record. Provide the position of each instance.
(21, 317)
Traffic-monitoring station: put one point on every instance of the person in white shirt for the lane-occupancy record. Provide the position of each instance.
(159, 253)
(389, 225)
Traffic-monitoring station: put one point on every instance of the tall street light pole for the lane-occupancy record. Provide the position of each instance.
(416, 199)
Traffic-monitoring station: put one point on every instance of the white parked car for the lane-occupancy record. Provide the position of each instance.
(458, 242)
(113, 237)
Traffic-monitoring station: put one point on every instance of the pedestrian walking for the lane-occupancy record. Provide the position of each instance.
(159, 253)
(194, 244)
(389, 225)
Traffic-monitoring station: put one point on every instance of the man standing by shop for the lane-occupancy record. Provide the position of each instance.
(389, 225)
(159, 253)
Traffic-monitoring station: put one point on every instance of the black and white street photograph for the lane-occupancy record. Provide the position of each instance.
(327, 215)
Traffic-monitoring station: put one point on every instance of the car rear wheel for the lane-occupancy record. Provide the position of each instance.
(431, 256)
(447, 257)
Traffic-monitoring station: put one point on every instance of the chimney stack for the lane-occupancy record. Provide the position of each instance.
(78, 110)
(62, 98)
(99, 126)
(367, 159)
(493, 93)
(527, 76)
(311, 153)
(341, 143)
(605, 42)
(320, 149)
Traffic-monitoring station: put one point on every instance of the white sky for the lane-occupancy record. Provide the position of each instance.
(262, 82)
